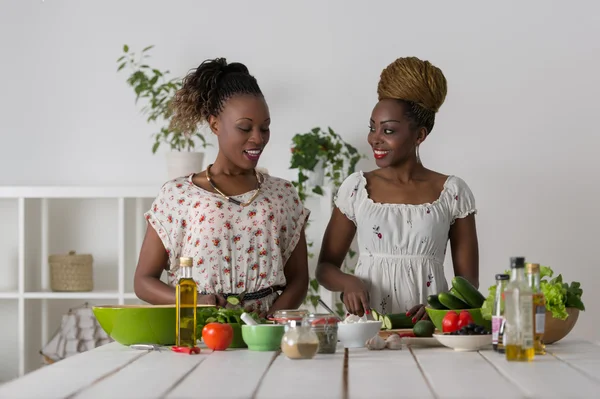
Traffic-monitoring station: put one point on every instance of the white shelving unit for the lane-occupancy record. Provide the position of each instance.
(36, 200)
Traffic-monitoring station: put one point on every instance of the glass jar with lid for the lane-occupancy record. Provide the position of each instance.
(299, 342)
(325, 325)
(288, 315)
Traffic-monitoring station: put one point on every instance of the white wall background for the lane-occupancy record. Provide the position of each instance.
(519, 123)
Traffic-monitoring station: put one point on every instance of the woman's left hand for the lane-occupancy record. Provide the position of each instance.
(418, 312)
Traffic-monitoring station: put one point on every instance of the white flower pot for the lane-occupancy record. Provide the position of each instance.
(316, 177)
(184, 163)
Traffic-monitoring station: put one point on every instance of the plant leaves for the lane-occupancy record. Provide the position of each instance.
(125, 48)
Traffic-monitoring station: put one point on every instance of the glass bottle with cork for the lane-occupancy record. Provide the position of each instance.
(539, 307)
(186, 300)
(498, 314)
(518, 314)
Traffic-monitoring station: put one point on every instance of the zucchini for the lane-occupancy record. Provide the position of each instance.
(451, 302)
(434, 302)
(471, 295)
(397, 321)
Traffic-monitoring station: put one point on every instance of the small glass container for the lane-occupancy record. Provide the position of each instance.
(325, 326)
(286, 316)
(299, 342)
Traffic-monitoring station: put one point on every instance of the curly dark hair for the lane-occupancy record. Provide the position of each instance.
(205, 90)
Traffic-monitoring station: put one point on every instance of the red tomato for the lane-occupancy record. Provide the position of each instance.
(217, 336)
(450, 322)
(464, 319)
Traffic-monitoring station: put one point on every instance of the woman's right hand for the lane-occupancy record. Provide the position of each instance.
(356, 296)
(212, 299)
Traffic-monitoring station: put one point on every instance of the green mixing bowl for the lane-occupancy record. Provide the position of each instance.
(139, 324)
(263, 337)
(437, 316)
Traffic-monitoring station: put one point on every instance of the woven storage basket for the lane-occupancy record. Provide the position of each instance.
(71, 272)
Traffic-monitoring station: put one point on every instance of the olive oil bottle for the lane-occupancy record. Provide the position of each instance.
(186, 299)
(518, 313)
(539, 307)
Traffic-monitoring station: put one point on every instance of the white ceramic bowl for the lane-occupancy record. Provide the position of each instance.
(356, 335)
(464, 343)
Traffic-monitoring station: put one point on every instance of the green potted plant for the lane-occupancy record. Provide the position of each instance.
(157, 90)
(321, 157)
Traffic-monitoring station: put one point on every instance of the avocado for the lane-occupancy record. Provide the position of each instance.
(424, 328)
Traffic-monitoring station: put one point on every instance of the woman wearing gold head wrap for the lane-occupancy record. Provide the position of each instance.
(404, 214)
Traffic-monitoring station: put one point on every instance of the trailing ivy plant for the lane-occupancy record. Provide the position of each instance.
(153, 86)
(339, 160)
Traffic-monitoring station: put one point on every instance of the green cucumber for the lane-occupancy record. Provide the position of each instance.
(434, 302)
(451, 302)
(471, 295)
(396, 321)
(457, 294)
(375, 314)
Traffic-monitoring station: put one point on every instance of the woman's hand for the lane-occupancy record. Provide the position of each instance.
(212, 299)
(356, 296)
(418, 312)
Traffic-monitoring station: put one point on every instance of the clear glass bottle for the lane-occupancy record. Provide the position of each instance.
(498, 313)
(539, 307)
(186, 301)
(299, 342)
(518, 314)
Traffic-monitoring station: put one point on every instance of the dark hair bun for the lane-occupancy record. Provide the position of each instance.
(205, 90)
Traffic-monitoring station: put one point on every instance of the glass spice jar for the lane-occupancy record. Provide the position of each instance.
(299, 342)
(325, 326)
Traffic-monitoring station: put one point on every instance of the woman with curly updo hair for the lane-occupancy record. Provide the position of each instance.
(404, 214)
(243, 228)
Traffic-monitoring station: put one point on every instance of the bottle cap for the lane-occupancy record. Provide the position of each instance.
(502, 277)
(532, 267)
(186, 262)
(517, 262)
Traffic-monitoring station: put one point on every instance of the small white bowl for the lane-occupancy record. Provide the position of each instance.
(464, 343)
(356, 335)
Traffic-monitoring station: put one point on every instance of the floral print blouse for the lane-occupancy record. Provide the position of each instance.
(235, 249)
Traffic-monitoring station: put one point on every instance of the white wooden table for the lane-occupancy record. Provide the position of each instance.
(570, 370)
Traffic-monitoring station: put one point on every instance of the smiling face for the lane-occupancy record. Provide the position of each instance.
(242, 128)
(392, 135)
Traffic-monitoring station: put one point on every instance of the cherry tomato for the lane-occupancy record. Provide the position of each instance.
(217, 336)
(464, 319)
(450, 322)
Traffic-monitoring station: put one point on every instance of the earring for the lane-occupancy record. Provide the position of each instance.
(417, 152)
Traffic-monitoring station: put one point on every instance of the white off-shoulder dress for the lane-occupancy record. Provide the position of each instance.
(402, 247)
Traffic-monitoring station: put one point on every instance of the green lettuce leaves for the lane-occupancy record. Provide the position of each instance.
(559, 295)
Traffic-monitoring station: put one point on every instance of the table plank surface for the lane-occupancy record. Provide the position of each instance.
(150, 376)
(385, 374)
(465, 375)
(571, 369)
(318, 378)
(70, 375)
(229, 374)
(545, 377)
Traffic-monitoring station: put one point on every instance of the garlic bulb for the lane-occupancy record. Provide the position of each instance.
(376, 343)
(393, 342)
